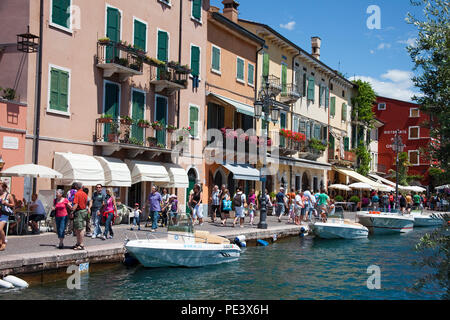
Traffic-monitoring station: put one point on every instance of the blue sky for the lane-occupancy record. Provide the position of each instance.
(348, 45)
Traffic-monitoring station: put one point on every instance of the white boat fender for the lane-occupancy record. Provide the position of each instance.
(17, 282)
(302, 232)
(6, 284)
(243, 244)
(274, 237)
(239, 238)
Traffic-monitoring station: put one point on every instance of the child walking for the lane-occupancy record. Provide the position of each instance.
(251, 213)
(136, 214)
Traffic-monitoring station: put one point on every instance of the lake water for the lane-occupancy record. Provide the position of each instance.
(295, 268)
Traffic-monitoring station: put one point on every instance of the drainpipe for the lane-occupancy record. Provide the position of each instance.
(180, 31)
(37, 111)
(256, 82)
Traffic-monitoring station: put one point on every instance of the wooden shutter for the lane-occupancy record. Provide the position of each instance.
(193, 121)
(240, 69)
(63, 91)
(295, 124)
(346, 143)
(60, 13)
(327, 97)
(284, 77)
(266, 61)
(333, 106)
(311, 88)
(251, 74)
(163, 46)
(321, 92)
(138, 100)
(216, 58)
(344, 112)
(195, 60)
(305, 89)
(112, 32)
(197, 9)
(140, 34)
(331, 140)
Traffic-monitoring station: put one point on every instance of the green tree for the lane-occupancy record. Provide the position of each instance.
(363, 156)
(435, 250)
(363, 103)
(431, 56)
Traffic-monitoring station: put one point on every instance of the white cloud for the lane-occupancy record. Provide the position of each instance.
(372, 52)
(288, 26)
(409, 42)
(396, 84)
(383, 45)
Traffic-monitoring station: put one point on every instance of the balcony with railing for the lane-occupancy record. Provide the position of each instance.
(289, 94)
(135, 136)
(169, 77)
(116, 58)
(312, 149)
(273, 83)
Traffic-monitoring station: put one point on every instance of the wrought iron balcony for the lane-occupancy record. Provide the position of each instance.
(116, 58)
(168, 78)
(274, 83)
(289, 94)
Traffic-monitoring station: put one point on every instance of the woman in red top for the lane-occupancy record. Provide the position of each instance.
(61, 216)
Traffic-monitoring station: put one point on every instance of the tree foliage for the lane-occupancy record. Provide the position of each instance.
(363, 103)
(431, 56)
(363, 156)
(435, 250)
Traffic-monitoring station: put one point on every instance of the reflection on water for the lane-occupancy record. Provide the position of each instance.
(297, 268)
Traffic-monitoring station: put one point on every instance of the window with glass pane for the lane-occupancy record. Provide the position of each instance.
(414, 157)
(61, 13)
(197, 9)
(414, 112)
(413, 132)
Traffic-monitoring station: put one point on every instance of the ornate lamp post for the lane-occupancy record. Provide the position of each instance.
(266, 104)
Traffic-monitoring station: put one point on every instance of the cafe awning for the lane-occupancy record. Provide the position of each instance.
(358, 177)
(78, 168)
(243, 172)
(178, 176)
(142, 171)
(239, 106)
(116, 172)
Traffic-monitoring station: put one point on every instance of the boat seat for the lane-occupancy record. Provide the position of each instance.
(206, 237)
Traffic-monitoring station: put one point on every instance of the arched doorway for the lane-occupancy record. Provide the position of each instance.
(192, 177)
(305, 182)
(218, 179)
(231, 184)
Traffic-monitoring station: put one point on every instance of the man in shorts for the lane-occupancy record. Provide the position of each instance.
(323, 202)
(240, 202)
(80, 212)
(281, 203)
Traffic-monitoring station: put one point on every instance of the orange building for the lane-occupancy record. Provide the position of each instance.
(13, 117)
(231, 57)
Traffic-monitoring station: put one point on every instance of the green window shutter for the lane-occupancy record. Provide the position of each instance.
(163, 46)
(140, 34)
(197, 9)
(240, 69)
(327, 97)
(344, 112)
(251, 74)
(216, 58)
(331, 140)
(333, 106)
(266, 61)
(263, 125)
(308, 130)
(195, 60)
(54, 89)
(295, 125)
(311, 88)
(305, 89)
(321, 95)
(316, 132)
(193, 121)
(284, 77)
(61, 13)
(346, 143)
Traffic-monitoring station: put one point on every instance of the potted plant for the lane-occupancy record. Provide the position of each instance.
(9, 94)
(152, 141)
(339, 198)
(113, 135)
(160, 145)
(136, 141)
(317, 145)
(171, 128)
(105, 118)
(126, 120)
(136, 66)
(157, 125)
(105, 40)
(355, 201)
(121, 61)
(143, 123)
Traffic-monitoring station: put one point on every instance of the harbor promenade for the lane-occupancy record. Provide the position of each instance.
(37, 254)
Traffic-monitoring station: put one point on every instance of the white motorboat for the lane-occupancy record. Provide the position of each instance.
(427, 220)
(385, 223)
(183, 248)
(336, 227)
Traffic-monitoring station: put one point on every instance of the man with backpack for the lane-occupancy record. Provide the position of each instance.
(281, 203)
(239, 202)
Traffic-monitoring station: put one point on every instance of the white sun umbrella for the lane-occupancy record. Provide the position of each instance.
(340, 187)
(361, 186)
(31, 170)
(447, 186)
(415, 189)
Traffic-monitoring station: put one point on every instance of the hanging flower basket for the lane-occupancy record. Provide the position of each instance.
(143, 124)
(157, 125)
(171, 128)
(126, 120)
(105, 119)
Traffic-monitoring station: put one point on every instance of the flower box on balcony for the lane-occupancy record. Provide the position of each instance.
(143, 123)
(105, 119)
(171, 128)
(126, 120)
(152, 142)
(157, 125)
(104, 41)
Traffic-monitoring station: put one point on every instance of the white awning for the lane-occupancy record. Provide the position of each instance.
(178, 176)
(381, 179)
(240, 107)
(147, 171)
(358, 177)
(243, 172)
(78, 168)
(116, 172)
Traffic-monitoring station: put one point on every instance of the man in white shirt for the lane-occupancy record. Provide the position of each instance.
(298, 205)
(240, 203)
(38, 213)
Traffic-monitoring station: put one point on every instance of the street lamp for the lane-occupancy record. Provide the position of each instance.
(266, 103)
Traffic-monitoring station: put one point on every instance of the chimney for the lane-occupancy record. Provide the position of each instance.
(315, 47)
(214, 9)
(230, 10)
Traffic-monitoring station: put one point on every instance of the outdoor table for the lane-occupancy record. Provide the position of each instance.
(345, 204)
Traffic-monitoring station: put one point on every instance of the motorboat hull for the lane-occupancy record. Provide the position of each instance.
(386, 223)
(161, 253)
(427, 220)
(327, 230)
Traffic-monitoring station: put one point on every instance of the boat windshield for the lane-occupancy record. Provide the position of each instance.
(183, 223)
(337, 213)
